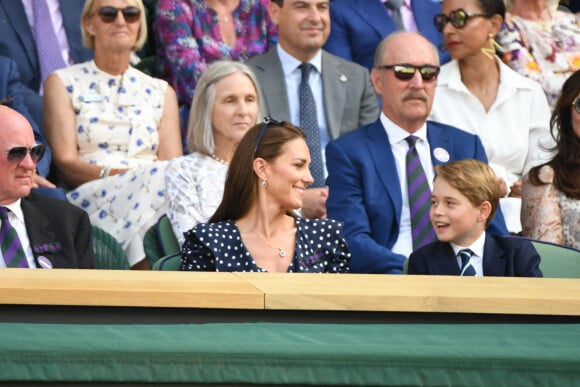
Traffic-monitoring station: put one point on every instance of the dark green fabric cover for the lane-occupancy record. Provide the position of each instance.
(281, 353)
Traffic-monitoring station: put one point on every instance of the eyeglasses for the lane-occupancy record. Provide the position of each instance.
(267, 121)
(405, 71)
(109, 14)
(18, 153)
(576, 104)
(458, 18)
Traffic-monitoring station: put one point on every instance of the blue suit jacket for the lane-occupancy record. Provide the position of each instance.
(365, 192)
(17, 42)
(502, 257)
(358, 26)
(11, 95)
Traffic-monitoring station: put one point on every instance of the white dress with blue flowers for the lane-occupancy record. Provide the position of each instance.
(116, 121)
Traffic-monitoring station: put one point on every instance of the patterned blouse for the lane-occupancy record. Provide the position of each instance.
(188, 39)
(548, 214)
(320, 248)
(547, 52)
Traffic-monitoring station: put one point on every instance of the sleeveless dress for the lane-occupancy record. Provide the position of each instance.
(116, 124)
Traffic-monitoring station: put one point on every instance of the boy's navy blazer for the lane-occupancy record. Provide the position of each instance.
(502, 257)
(365, 192)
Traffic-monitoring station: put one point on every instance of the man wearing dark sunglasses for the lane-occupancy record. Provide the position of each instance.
(35, 231)
(340, 91)
(373, 171)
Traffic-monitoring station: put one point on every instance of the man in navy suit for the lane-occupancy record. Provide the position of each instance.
(465, 197)
(366, 168)
(358, 26)
(17, 42)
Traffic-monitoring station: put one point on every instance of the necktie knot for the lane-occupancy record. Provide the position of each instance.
(306, 69)
(3, 213)
(394, 4)
(411, 140)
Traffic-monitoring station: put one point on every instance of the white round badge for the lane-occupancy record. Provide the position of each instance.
(441, 155)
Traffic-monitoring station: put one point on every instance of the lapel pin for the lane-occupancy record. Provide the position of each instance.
(44, 262)
(441, 154)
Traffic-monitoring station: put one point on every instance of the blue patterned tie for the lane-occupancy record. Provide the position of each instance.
(466, 266)
(419, 197)
(49, 52)
(309, 124)
(12, 250)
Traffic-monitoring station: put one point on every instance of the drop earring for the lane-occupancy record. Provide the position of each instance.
(493, 45)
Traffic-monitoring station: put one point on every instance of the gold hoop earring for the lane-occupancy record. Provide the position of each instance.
(493, 45)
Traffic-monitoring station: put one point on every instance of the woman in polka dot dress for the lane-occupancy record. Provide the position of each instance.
(255, 227)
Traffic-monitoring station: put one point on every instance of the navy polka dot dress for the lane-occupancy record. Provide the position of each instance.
(320, 248)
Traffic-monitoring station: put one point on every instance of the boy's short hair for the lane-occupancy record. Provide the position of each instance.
(474, 179)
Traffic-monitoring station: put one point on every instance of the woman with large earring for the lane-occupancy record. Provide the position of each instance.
(478, 93)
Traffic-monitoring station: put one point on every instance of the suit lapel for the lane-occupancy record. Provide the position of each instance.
(443, 260)
(441, 149)
(494, 258)
(273, 85)
(38, 226)
(382, 157)
(17, 18)
(334, 89)
(376, 15)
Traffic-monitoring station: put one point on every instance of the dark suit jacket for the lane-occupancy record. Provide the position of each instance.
(17, 42)
(11, 96)
(358, 26)
(365, 192)
(58, 231)
(349, 97)
(502, 257)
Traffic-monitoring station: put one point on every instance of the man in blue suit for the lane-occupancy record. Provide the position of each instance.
(358, 26)
(366, 168)
(17, 42)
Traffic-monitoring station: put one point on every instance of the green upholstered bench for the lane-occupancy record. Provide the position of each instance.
(294, 354)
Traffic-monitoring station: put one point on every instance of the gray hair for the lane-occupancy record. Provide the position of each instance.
(200, 129)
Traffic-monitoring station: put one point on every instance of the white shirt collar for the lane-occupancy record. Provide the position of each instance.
(290, 64)
(476, 247)
(15, 208)
(397, 134)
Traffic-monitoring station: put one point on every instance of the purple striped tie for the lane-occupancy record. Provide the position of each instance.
(12, 250)
(419, 197)
(49, 52)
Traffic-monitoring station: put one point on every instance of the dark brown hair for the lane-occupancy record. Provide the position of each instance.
(241, 185)
(566, 162)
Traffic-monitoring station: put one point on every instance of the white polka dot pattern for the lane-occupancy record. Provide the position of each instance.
(320, 248)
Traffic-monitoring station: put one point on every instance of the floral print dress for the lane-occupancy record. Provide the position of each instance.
(116, 125)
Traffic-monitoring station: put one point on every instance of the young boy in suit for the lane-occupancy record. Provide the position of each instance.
(464, 199)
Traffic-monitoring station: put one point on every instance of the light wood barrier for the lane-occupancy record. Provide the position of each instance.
(255, 296)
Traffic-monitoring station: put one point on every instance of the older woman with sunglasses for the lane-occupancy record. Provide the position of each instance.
(478, 93)
(111, 127)
(254, 228)
(551, 191)
(542, 43)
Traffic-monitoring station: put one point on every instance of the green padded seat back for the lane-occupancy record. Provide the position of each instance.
(109, 253)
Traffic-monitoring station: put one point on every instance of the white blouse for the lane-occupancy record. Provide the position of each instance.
(194, 190)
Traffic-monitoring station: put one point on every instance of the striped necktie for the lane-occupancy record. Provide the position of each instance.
(12, 250)
(466, 266)
(309, 124)
(419, 197)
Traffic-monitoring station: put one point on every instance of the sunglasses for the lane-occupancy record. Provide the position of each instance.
(109, 14)
(267, 121)
(576, 104)
(18, 153)
(405, 72)
(458, 18)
